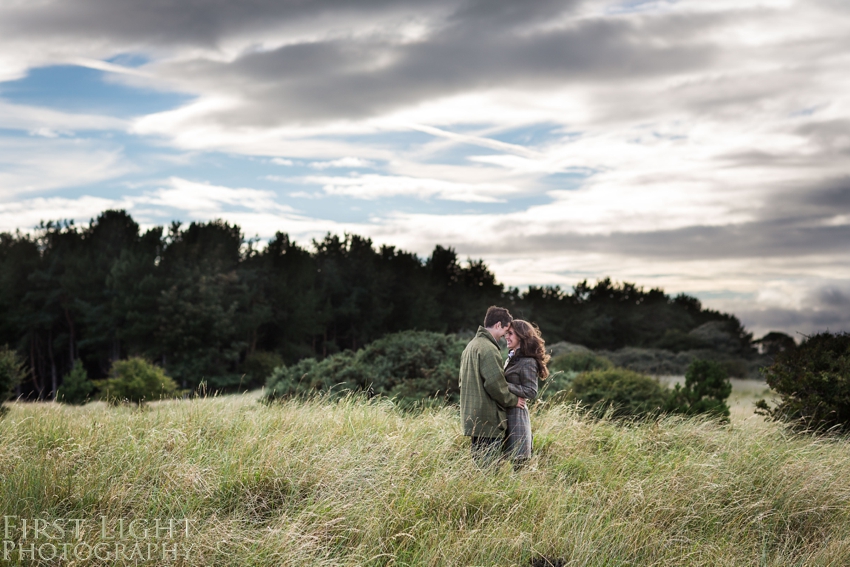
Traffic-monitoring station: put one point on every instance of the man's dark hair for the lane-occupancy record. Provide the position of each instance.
(497, 315)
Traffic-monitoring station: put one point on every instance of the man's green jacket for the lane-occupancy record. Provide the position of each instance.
(484, 393)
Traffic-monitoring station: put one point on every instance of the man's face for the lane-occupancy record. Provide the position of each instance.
(499, 331)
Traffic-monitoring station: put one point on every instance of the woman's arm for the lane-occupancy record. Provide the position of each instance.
(527, 372)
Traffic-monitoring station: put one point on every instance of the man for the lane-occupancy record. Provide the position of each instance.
(484, 393)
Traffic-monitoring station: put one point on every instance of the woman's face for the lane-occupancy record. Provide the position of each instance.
(511, 339)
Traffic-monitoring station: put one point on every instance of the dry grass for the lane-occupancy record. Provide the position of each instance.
(319, 482)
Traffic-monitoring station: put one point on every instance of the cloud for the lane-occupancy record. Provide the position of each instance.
(35, 119)
(256, 211)
(28, 214)
(202, 200)
(834, 297)
(341, 78)
(373, 186)
(30, 165)
(800, 323)
(346, 162)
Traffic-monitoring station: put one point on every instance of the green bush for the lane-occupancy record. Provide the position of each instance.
(11, 373)
(813, 384)
(564, 369)
(579, 362)
(706, 389)
(136, 380)
(258, 366)
(411, 366)
(556, 388)
(310, 375)
(76, 387)
(622, 392)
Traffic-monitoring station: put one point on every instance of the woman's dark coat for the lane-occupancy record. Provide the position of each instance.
(521, 374)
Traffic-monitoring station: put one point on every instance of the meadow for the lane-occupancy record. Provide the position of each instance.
(360, 482)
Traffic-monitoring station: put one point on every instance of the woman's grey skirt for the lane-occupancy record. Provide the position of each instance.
(518, 435)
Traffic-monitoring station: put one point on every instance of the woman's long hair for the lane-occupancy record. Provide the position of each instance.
(531, 344)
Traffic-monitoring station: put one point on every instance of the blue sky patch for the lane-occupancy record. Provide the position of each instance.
(533, 135)
(129, 60)
(71, 88)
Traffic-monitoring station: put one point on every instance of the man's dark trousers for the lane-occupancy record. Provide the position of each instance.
(486, 451)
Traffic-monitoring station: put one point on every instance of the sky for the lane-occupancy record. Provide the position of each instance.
(700, 146)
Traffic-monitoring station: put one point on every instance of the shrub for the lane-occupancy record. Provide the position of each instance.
(651, 360)
(564, 369)
(411, 365)
(678, 341)
(724, 336)
(813, 384)
(580, 362)
(310, 375)
(556, 388)
(136, 380)
(659, 361)
(76, 387)
(258, 366)
(563, 347)
(11, 373)
(775, 342)
(706, 389)
(622, 392)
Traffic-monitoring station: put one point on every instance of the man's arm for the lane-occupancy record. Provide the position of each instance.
(494, 380)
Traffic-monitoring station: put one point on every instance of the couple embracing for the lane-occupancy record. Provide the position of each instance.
(493, 394)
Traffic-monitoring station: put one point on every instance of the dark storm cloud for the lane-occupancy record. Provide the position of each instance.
(774, 239)
(816, 213)
(792, 222)
(356, 65)
(780, 239)
(834, 297)
(172, 22)
(827, 308)
(353, 73)
(832, 137)
(833, 196)
(355, 79)
(800, 323)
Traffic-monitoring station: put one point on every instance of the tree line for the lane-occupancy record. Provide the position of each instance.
(202, 301)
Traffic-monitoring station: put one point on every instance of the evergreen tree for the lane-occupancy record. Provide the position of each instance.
(202, 301)
(76, 387)
(12, 372)
(706, 389)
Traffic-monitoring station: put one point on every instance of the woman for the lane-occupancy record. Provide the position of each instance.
(526, 362)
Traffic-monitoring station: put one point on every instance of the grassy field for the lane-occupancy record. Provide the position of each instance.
(358, 483)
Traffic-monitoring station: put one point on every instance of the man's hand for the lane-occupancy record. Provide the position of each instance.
(520, 402)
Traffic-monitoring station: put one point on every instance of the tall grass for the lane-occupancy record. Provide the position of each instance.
(353, 482)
